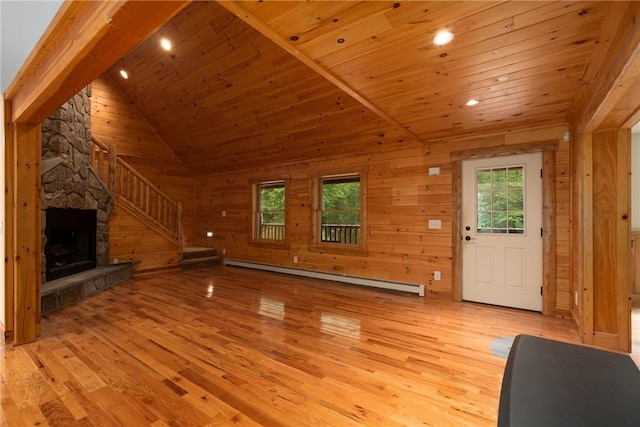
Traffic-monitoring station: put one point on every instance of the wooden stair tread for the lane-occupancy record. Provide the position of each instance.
(201, 262)
(202, 259)
(198, 256)
(197, 249)
(198, 253)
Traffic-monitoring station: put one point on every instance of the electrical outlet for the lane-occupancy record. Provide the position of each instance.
(115, 260)
(435, 224)
(295, 259)
(224, 213)
(436, 275)
(224, 251)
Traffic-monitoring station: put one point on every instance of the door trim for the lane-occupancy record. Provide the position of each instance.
(548, 149)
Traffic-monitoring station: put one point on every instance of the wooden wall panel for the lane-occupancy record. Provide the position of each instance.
(604, 226)
(131, 240)
(115, 121)
(9, 216)
(611, 239)
(26, 231)
(402, 197)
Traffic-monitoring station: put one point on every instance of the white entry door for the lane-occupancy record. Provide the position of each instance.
(501, 231)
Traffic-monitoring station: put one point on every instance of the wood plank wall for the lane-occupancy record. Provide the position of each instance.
(402, 197)
(611, 239)
(132, 240)
(114, 121)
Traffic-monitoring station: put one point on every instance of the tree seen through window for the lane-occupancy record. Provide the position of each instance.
(340, 210)
(271, 211)
(500, 200)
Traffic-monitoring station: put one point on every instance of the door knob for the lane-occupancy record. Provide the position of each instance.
(467, 238)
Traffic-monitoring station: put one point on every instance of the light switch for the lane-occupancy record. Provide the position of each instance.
(435, 223)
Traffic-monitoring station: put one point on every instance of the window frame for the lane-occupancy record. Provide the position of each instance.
(315, 241)
(508, 189)
(254, 239)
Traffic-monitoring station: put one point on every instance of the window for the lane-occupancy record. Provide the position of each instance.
(501, 200)
(269, 212)
(339, 213)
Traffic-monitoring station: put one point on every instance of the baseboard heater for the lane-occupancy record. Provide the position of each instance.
(354, 280)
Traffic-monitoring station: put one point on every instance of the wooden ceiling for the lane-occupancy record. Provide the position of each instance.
(248, 83)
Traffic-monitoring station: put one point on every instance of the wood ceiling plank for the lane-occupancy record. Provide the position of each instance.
(418, 31)
(287, 124)
(242, 84)
(340, 40)
(196, 37)
(274, 9)
(505, 66)
(306, 18)
(477, 88)
(553, 32)
(237, 9)
(426, 85)
(187, 66)
(325, 129)
(510, 106)
(83, 30)
(374, 65)
(552, 10)
(477, 54)
(453, 126)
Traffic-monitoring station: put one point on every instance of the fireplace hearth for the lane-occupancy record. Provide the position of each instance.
(71, 241)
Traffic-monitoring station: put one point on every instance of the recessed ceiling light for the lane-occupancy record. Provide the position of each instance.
(442, 38)
(472, 102)
(124, 74)
(166, 44)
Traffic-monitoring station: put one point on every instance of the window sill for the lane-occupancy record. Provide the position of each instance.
(339, 249)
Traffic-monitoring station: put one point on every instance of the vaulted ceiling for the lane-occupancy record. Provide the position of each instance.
(247, 83)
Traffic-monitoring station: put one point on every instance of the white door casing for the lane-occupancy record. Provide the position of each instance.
(502, 247)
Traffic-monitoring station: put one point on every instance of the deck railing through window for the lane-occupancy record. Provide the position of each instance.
(338, 233)
(272, 231)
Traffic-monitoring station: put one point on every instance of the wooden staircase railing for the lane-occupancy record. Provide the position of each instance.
(137, 194)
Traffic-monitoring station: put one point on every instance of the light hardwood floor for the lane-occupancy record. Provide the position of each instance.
(227, 346)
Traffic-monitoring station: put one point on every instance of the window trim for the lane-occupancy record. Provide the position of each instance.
(315, 191)
(253, 218)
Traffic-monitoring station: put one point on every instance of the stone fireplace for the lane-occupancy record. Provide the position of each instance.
(75, 202)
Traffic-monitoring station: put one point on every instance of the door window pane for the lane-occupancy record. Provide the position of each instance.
(500, 207)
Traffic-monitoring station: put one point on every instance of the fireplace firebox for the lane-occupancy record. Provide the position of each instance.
(71, 241)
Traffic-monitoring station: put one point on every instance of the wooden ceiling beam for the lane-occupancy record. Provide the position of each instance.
(238, 9)
(82, 41)
(617, 70)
